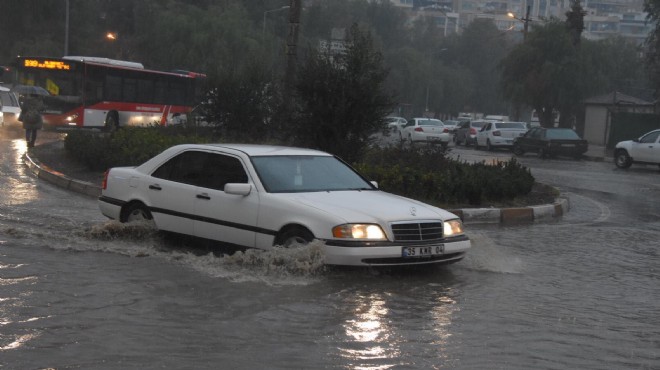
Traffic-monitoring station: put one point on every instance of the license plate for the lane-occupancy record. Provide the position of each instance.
(568, 145)
(432, 138)
(429, 251)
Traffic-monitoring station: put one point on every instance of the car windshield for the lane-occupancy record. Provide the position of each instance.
(561, 133)
(297, 174)
(511, 125)
(430, 122)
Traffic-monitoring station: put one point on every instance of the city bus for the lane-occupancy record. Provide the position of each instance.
(105, 93)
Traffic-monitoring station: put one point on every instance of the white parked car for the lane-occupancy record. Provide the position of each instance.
(499, 134)
(429, 130)
(9, 106)
(262, 196)
(396, 123)
(643, 150)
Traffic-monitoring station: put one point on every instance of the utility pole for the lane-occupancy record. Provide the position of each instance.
(291, 49)
(66, 28)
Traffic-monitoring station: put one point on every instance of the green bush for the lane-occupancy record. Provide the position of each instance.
(129, 146)
(428, 175)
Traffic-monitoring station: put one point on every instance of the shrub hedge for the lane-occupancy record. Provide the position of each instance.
(426, 173)
(129, 146)
(429, 175)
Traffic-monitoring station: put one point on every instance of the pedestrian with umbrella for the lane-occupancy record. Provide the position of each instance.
(31, 118)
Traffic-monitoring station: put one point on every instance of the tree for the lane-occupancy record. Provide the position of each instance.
(341, 97)
(243, 103)
(652, 8)
(575, 21)
(544, 72)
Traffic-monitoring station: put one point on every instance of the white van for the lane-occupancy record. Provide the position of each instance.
(9, 106)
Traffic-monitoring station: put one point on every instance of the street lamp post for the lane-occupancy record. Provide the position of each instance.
(525, 21)
(263, 32)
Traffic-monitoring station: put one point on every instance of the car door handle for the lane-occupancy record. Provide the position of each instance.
(155, 187)
(203, 196)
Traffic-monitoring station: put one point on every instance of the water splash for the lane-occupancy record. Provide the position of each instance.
(113, 230)
(486, 255)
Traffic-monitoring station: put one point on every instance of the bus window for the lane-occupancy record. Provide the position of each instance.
(112, 88)
(130, 89)
(145, 91)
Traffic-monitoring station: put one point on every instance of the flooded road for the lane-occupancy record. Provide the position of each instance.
(80, 292)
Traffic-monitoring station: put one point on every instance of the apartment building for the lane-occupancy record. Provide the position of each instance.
(604, 18)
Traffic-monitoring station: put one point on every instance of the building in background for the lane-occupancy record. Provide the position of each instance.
(604, 18)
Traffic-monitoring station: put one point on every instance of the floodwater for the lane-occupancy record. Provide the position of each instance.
(80, 292)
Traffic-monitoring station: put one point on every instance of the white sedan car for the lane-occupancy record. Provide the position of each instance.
(499, 134)
(427, 130)
(261, 196)
(644, 150)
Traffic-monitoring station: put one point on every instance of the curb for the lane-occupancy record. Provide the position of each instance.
(509, 216)
(59, 179)
(505, 216)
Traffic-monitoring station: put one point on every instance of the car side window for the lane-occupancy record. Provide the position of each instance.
(650, 138)
(185, 168)
(220, 169)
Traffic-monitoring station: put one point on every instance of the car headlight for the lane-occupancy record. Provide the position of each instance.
(452, 228)
(358, 231)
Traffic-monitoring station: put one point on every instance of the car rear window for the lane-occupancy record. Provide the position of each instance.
(430, 122)
(511, 125)
(561, 134)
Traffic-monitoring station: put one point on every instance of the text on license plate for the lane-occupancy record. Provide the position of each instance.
(432, 138)
(431, 250)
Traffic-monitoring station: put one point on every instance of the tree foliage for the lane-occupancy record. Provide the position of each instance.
(652, 56)
(341, 97)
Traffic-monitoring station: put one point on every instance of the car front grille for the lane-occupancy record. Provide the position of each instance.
(424, 231)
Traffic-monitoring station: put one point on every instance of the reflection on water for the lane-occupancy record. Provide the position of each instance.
(368, 332)
(9, 305)
(21, 191)
(377, 331)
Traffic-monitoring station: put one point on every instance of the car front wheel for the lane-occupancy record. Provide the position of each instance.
(517, 150)
(622, 159)
(294, 236)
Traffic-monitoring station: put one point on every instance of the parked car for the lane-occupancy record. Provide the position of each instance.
(9, 105)
(451, 125)
(396, 123)
(429, 130)
(643, 150)
(549, 142)
(261, 196)
(499, 134)
(466, 132)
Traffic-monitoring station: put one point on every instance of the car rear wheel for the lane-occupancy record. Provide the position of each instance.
(543, 153)
(136, 212)
(622, 159)
(294, 236)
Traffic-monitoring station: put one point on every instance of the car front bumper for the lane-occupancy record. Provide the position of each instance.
(391, 253)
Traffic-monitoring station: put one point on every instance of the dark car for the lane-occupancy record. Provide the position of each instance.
(550, 142)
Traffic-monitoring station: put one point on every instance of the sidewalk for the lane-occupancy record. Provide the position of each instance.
(48, 161)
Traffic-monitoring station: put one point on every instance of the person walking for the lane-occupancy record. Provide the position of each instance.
(31, 118)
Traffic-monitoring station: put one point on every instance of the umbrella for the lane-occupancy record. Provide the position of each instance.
(30, 90)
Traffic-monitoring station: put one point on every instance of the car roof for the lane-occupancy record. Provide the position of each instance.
(256, 150)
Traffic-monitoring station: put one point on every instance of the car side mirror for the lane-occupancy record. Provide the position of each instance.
(238, 189)
(636, 140)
